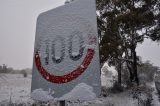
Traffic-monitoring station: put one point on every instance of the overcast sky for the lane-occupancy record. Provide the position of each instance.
(17, 32)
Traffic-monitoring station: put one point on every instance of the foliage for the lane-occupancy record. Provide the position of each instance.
(116, 88)
(143, 94)
(147, 72)
(5, 69)
(24, 73)
(125, 77)
(122, 24)
(104, 91)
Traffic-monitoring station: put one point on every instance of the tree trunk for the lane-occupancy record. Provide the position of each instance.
(119, 72)
(129, 66)
(134, 56)
(135, 66)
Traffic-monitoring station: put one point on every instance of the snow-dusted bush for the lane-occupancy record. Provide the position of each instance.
(104, 91)
(24, 73)
(147, 72)
(117, 88)
(143, 94)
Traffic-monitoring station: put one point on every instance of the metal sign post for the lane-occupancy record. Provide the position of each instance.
(61, 103)
(66, 50)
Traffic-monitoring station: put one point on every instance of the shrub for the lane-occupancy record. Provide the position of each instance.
(24, 73)
(117, 88)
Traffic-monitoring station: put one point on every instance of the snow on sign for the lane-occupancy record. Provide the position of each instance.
(66, 50)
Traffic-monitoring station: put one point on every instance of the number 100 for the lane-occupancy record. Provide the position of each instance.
(72, 56)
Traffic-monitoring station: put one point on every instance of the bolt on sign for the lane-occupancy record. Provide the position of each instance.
(66, 49)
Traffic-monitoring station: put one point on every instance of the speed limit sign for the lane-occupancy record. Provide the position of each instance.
(66, 49)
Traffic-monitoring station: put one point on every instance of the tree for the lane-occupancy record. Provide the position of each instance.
(0, 68)
(147, 71)
(24, 73)
(4, 68)
(122, 24)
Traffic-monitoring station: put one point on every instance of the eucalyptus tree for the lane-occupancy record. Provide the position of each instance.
(122, 24)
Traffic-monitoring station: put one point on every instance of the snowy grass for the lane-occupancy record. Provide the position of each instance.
(15, 90)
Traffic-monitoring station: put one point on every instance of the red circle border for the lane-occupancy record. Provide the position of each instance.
(68, 77)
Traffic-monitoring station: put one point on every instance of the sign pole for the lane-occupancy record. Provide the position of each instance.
(62, 103)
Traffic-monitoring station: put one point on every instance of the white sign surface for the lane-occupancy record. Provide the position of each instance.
(66, 50)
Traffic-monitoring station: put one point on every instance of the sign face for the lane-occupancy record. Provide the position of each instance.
(66, 49)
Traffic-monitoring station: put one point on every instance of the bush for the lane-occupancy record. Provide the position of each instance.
(143, 94)
(24, 73)
(104, 91)
(117, 88)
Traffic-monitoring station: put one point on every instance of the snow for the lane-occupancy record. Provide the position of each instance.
(155, 98)
(155, 101)
(68, 1)
(107, 80)
(81, 92)
(69, 35)
(57, 57)
(41, 95)
(15, 88)
(75, 54)
(82, 66)
(93, 46)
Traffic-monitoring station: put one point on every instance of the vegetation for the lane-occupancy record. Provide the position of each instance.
(122, 24)
(147, 72)
(5, 69)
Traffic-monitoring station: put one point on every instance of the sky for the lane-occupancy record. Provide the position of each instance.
(17, 29)
(17, 33)
(149, 50)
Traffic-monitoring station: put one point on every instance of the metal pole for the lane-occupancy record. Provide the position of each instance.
(62, 103)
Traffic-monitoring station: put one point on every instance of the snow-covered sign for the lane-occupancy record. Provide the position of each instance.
(66, 50)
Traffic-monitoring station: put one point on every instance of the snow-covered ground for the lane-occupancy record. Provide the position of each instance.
(155, 101)
(14, 88)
